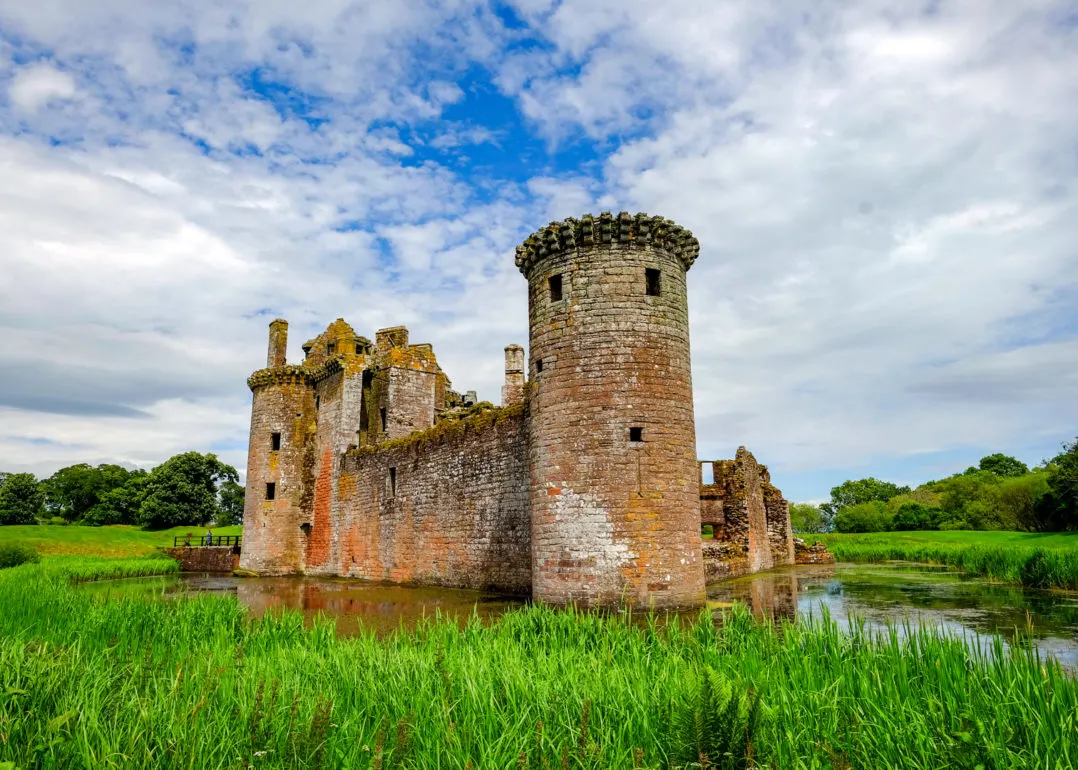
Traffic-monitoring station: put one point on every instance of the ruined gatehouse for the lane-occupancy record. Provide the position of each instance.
(582, 486)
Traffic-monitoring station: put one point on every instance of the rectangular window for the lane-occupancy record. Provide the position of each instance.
(654, 282)
(331, 348)
(317, 402)
(636, 435)
(555, 288)
(382, 414)
(391, 482)
(271, 491)
(538, 364)
(359, 349)
(275, 441)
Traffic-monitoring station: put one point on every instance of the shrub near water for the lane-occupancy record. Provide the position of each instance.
(196, 684)
(13, 554)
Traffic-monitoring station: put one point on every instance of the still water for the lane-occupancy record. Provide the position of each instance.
(877, 594)
(896, 592)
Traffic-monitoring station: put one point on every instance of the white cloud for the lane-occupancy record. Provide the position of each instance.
(883, 192)
(36, 85)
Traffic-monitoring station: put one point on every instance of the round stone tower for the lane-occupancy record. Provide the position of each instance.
(615, 486)
(275, 504)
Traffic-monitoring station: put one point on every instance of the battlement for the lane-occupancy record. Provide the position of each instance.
(606, 230)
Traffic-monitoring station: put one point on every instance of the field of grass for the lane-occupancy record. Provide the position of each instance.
(117, 542)
(87, 682)
(1022, 558)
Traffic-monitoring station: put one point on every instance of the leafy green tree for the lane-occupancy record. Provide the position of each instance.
(21, 499)
(807, 519)
(1018, 500)
(1058, 509)
(914, 516)
(182, 491)
(871, 516)
(1003, 465)
(120, 505)
(230, 501)
(73, 491)
(861, 491)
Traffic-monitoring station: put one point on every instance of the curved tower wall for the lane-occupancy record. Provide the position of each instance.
(615, 487)
(282, 403)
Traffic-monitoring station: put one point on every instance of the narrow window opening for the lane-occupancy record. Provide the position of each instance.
(382, 414)
(275, 441)
(331, 348)
(708, 530)
(305, 527)
(359, 349)
(317, 402)
(538, 364)
(271, 491)
(555, 288)
(391, 482)
(654, 282)
(636, 435)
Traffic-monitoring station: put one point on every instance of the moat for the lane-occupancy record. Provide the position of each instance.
(875, 594)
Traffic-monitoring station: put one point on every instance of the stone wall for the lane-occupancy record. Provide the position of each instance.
(780, 534)
(446, 506)
(206, 558)
(751, 519)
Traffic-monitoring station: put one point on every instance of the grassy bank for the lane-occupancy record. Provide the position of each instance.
(113, 542)
(1030, 559)
(196, 684)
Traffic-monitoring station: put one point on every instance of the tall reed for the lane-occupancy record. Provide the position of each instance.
(1034, 567)
(118, 682)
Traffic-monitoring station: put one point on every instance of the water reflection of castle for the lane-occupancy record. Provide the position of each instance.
(771, 595)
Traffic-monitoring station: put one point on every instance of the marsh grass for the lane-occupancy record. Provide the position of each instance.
(1037, 561)
(87, 682)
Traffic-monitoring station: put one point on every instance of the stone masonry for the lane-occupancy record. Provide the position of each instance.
(582, 487)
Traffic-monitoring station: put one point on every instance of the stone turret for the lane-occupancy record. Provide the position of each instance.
(282, 414)
(615, 495)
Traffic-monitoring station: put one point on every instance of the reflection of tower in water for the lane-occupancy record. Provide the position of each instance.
(775, 596)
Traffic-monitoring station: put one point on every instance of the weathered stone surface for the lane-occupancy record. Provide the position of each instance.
(749, 516)
(615, 513)
(206, 558)
(816, 553)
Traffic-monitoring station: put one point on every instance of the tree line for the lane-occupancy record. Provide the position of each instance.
(188, 489)
(1000, 493)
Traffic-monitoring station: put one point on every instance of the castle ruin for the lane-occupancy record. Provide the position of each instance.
(583, 486)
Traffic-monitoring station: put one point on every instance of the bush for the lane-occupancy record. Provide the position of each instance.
(14, 554)
(864, 517)
(914, 516)
(57, 521)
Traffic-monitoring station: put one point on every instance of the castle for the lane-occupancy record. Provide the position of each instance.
(583, 486)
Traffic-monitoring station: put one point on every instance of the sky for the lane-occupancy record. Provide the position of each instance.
(885, 195)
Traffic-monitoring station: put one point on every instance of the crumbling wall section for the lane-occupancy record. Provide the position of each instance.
(745, 516)
(780, 533)
(447, 506)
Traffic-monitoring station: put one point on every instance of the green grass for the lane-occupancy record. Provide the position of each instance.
(1021, 558)
(88, 682)
(116, 542)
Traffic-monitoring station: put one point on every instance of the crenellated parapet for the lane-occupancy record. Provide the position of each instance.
(608, 229)
(289, 374)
